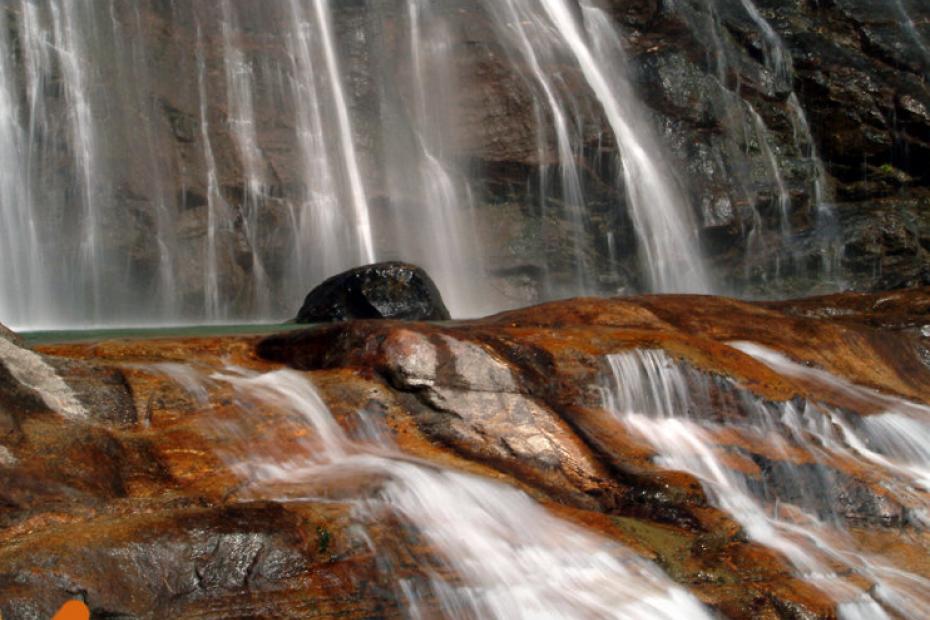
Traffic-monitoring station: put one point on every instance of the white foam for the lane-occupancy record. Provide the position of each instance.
(6, 457)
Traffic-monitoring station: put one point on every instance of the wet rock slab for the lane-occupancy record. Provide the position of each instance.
(138, 507)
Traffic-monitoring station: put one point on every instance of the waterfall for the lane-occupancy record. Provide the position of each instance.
(156, 175)
(318, 218)
(240, 85)
(68, 36)
(662, 219)
(82, 118)
(431, 192)
(772, 243)
(136, 97)
(664, 223)
(518, 17)
(221, 177)
(777, 58)
(778, 61)
(776, 468)
(911, 29)
(359, 200)
(215, 202)
(495, 552)
(784, 199)
(37, 38)
(21, 265)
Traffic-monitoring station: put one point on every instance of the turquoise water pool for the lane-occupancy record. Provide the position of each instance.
(140, 333)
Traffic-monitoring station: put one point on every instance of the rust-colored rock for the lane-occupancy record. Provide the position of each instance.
(140, 508)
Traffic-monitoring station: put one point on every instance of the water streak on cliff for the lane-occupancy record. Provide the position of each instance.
(179, 187)
(170, 162)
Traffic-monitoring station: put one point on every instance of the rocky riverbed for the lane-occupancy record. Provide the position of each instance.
(144, 478)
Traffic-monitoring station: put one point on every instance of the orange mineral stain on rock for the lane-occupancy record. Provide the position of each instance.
(515, 398)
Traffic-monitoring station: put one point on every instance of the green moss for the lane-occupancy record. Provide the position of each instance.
(886, 169)
(671, 547)
(324, 538)
(676, 551)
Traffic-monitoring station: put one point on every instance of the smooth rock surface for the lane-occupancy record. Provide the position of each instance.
(176, 524)
(390, 290)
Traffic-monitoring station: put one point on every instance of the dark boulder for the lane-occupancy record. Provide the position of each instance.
(390, 290)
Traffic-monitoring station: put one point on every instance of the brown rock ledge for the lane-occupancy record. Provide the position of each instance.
(140, 512)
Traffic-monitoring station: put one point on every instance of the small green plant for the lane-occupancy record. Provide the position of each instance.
(323, 537)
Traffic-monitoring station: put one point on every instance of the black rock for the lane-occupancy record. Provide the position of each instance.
(390, 290)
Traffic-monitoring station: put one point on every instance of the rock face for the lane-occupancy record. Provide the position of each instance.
(389, 290)
(157, 505)
(8, 334)
(741, 107)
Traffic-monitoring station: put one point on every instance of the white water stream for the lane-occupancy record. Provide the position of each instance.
(177, 162)
(129, 177)
(502, 555)
(664, 225)
(798, 503)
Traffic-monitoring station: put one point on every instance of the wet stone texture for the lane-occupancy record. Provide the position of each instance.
(390, 290)
(699, 67)
(141, 507)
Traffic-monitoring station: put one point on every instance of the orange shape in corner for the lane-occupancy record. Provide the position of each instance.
(73, 610)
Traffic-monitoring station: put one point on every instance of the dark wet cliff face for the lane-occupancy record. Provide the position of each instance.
(860, 76)
(741, 111)
(853, 73)
(797, 132)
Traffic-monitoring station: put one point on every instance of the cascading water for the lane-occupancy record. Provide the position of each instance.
(777, 58)
(240, 85)
(778, 61)
(498, 554)
(162, 180)
(176, 187)
(662, 220)
(911, 29)
(784, 199)
(29, 270)
(68, 33)
(443, 234)
(170, 162)
(517, 18)
(773, 242)
(359, 202)
(20, 262)
(792, 495)
(899, 429)
(215, 201)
